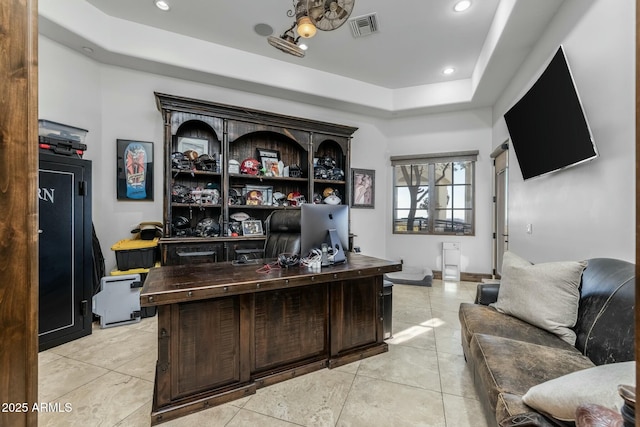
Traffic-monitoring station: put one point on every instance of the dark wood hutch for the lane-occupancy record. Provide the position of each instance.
(225, 133)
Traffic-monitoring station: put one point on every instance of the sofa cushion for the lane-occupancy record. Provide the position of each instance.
(481, 319)
(561, 396)
(545, 295)
(504, 365)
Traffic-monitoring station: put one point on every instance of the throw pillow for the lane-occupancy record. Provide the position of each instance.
(561, 397)
(545, 295)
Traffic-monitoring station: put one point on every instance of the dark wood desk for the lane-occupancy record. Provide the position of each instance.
(225, 330)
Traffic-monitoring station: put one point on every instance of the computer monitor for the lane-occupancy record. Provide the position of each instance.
(325, 224)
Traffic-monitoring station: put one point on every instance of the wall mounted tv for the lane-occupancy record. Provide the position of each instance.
(547, 126)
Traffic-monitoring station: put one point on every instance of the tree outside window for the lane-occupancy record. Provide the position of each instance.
(434, 194)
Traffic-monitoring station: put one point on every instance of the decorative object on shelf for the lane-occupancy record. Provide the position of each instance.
(270, 167)
(254, 197)
(258, 194)
(252, 227)
(295, 198)
(270, 159)
(200, 146)
(331, 196)
(250, 166)
(234, 166)
(311, 15)
(363, 195)
(134, 170)
(294, 171)
(279, 199)
(240, 216)
(207, 227)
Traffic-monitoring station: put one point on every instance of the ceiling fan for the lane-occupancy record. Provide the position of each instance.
(311, 15)
(328, 15)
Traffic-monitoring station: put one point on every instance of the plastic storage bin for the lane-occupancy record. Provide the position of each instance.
(135, 253)
(61, 139)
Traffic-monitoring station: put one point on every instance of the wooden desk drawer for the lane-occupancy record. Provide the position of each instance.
(192, 253)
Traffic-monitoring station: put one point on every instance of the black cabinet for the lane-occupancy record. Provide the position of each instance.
(65, 249)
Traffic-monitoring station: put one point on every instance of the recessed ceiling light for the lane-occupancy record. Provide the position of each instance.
(303, 46)
(448, 71)
(162, 5)
(462, 6)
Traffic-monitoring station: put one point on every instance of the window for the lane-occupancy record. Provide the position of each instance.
(434, 194)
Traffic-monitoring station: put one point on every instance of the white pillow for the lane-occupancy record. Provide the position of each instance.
(561, 397)
(545, 295)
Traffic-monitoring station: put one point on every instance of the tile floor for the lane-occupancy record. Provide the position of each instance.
(107, 377)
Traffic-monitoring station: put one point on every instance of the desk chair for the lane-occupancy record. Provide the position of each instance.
(283, 233)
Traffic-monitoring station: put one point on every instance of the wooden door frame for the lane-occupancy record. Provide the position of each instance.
(637, 322)
(19, 221)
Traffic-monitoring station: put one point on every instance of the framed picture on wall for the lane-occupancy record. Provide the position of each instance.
(134, 170)
(364, 186)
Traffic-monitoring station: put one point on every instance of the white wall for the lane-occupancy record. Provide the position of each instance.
(456, 131)
(118, 103)
(579, 213)
(589, 210)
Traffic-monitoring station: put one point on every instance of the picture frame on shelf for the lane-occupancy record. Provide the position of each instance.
(364, 186)
(134, 170)
(252, 227)
(267, 153)
(270, 166)
(199, 145)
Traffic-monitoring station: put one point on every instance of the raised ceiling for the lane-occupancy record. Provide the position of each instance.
(395, 71)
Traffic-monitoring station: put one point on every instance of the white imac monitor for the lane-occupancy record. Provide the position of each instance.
(325, 227)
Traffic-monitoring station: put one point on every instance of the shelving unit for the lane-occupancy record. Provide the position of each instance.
(225, 133)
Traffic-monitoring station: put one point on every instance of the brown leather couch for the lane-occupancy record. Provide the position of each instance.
(507, 356)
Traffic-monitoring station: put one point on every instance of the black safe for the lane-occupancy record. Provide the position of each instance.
(65, 249)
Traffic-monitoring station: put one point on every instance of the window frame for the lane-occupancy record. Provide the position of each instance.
(430, 160)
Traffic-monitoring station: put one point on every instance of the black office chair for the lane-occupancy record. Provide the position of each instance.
(283, 233)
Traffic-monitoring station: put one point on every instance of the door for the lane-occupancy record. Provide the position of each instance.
(65, 255)
(500, 205)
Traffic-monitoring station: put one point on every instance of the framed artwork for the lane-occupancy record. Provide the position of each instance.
(364, 186)
(252, 227)
(269, 160)
(134, 170)
(266, 153)
(200, 146)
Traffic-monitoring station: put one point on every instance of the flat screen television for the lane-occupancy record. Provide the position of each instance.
(547, 126)
(325, 224)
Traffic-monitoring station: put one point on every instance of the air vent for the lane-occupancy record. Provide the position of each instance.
(364, 25)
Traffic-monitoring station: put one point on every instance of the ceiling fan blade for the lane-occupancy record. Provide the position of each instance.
(342, 13)
(315, 9)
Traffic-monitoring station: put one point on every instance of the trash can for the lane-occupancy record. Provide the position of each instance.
(387, 308)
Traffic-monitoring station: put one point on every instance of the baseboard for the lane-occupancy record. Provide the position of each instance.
(465, 277)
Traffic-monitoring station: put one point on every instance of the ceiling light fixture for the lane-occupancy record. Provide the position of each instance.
(163, 5)
(305, 29)
(448, 71)
(461, 6)
(310, 16)
(287, 43)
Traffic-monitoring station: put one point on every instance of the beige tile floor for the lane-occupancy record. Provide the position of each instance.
(107, 377)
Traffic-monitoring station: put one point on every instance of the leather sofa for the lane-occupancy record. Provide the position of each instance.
(507, 356)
